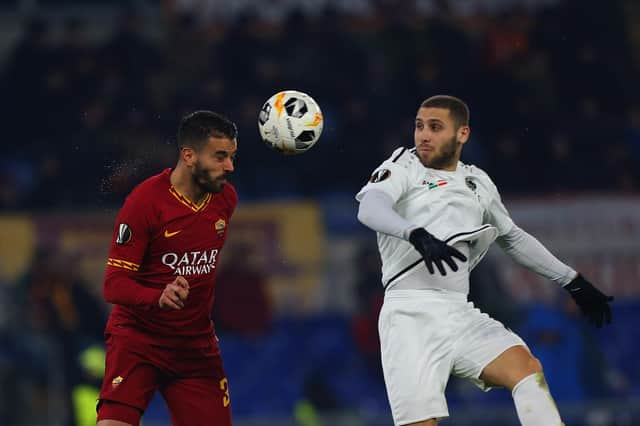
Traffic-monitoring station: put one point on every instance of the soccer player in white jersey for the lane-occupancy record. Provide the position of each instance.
(435, 218)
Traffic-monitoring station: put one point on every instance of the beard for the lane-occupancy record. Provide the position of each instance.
(203, 180)
(443, 157)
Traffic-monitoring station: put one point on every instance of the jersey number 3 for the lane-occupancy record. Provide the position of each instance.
(224, 386)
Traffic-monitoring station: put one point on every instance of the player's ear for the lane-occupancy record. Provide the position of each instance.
(463, 134)
(188, 155)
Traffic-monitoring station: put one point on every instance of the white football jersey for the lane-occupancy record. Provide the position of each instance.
(460, 205)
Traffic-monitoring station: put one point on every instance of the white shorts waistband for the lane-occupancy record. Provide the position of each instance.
(430, 294)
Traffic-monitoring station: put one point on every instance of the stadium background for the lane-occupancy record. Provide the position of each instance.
(91, 94)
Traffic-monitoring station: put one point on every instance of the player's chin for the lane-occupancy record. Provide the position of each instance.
(425, 156)
(213, 186)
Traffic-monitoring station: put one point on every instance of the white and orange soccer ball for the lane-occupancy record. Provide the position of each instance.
(290, 122)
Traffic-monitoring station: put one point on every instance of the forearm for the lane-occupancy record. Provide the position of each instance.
(119, 288)
(376, 212)
(527, 251)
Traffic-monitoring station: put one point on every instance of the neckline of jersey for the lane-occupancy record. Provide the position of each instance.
(447, 172)
(187, 202)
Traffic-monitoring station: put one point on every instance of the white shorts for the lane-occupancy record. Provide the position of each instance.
(427, 335)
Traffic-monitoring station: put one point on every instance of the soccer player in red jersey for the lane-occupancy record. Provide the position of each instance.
(160, 279)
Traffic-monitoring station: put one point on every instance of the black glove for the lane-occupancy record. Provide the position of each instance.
(434, 250)
(593, 303)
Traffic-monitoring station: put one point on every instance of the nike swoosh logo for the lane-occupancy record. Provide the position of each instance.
(168, 234)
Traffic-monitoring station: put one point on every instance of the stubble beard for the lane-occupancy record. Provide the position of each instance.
(445, 157)
(204, 182)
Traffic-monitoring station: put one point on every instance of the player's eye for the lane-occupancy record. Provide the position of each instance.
(419, 125)
(435, 127)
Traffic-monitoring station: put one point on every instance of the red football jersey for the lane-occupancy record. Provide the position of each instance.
(159, 235)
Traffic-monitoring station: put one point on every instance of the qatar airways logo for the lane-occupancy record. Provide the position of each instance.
(191, 263)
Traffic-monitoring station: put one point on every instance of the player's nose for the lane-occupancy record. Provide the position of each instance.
(228, 165)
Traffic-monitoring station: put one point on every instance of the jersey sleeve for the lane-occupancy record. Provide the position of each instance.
(391, 177)
(495, 211)
(527, 251)
(128, 247)
(131, 234)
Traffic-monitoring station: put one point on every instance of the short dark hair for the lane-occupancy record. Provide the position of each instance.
(458, 110)
(197, 127)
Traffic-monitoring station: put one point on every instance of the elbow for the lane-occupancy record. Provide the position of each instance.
(363, 217)
(502, 243)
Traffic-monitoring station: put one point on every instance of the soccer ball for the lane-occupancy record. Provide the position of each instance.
(290, 122)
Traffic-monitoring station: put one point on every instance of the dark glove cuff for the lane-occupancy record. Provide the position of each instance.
(417, 234)
(575, 283)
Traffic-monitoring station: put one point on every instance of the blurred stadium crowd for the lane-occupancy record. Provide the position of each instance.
(90, 106)
(551, 89)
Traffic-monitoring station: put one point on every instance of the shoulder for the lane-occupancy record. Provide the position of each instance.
(475, 172)
(401, 158)
(229, 195)
(479, 176)
(142, 196)
(398, 164)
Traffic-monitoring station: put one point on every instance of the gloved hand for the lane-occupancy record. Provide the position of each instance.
(593, 303)
(434, 250)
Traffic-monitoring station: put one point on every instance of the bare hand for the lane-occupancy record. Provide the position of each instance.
(174, 294)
